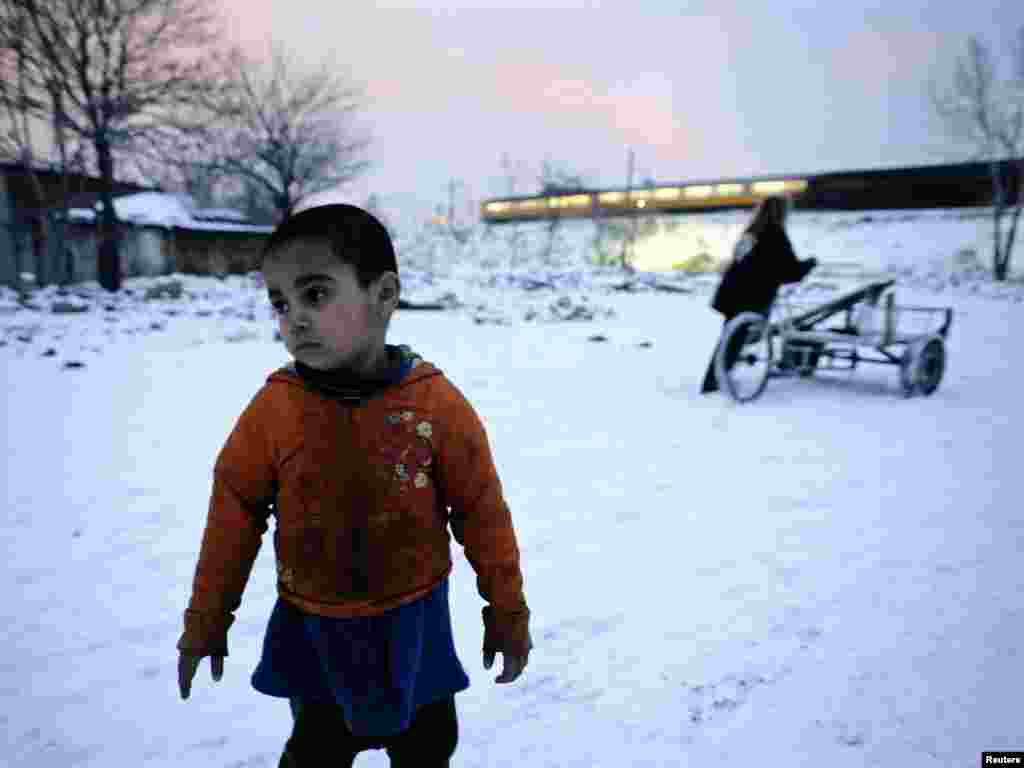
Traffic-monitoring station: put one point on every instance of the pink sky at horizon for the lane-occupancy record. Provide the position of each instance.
(722, 90)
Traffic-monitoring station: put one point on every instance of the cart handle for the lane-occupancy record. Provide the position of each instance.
(947, 313)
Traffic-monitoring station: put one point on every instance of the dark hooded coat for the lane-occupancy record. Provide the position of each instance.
(761, 265)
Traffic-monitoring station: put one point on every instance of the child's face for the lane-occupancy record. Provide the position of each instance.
(327, 319)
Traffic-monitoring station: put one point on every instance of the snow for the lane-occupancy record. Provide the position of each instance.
(827, 576)
(160, 209)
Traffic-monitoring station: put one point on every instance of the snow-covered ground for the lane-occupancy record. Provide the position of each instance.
(827, 576)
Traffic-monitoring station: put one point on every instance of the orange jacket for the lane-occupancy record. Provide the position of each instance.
(362, 496)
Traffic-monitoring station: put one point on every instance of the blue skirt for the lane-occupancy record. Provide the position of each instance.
(378, 669)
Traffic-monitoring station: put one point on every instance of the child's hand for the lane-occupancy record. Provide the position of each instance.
(511, 666)
(187, 666)
(508, 634)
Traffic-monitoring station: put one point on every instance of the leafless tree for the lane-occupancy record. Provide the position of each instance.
(981, 108)
(17, 135)
(556, 180)
(119, 68)
(514, 238)
(180, 161)
(283, 133)
(459, 226)
(34, 145)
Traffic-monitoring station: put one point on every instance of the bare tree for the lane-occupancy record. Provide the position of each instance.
(286, 134)
(17, 138)
(514, 237)
(180, 161)
(458, 229)
(987, 111)
(556, 180)
(24, 139)
(120, 67)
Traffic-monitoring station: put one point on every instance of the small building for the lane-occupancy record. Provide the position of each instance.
(163, 233)
(29, 196)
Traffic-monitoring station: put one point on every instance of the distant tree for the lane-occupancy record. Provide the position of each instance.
(179, 161)
(374, 205)
(458, 226)
(556, 180)
(987, 111)
(282, 133)
(18, 139)
(118, 68)
(250, 197)
(514, 238)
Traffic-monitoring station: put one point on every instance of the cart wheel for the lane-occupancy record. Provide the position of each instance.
(923, 364)
(744, 357)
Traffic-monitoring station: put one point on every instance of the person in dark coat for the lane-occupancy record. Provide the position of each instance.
(763, 260)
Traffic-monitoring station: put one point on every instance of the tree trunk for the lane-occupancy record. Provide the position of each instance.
(109, 248)
(997, 242)
(1011, 236)
(65, 264)
(285, 206)
(1016, 204)
(998, 208)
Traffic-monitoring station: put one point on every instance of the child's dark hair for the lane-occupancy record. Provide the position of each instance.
(355, 237)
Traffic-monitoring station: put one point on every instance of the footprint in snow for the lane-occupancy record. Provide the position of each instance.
(208, 744)
(549, 688)
(709, 702)
(585, 627)
(149, 673)
(256, 761)
(846, 734)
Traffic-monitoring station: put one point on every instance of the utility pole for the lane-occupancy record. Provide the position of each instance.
(627, 243)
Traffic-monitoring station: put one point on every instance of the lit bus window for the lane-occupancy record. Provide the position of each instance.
(729, 189)
(703, 190)
(612, 198)
(570, 201)
(769, 187)
(779, 186)
(667, 193)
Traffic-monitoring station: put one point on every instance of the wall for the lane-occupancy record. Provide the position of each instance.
(8, 269)
(206, 253)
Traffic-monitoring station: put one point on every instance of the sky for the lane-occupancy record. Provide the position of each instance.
(696, 89)
(826, 576)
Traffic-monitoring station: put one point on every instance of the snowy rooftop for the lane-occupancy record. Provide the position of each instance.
(160, 209)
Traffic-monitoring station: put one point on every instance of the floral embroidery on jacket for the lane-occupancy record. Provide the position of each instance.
(406, 446)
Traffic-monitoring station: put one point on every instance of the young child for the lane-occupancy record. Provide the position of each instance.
(364, 454)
